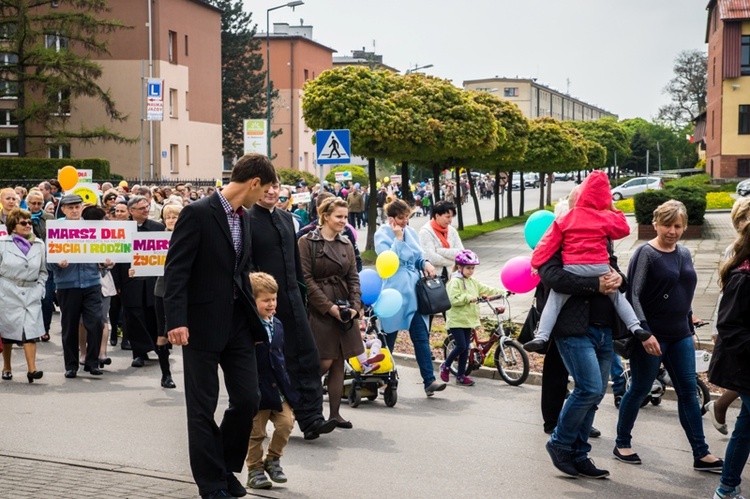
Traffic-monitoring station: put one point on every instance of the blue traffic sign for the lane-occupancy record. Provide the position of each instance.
(333, 147)
(154, 88)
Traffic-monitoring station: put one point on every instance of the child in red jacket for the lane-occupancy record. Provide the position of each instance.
(583, 234)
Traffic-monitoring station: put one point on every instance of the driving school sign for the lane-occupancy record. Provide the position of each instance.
(150, 253)
(90, 241)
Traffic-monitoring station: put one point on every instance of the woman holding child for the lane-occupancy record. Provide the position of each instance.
(330, 271)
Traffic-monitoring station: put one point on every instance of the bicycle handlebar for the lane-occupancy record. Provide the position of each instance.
(495, 297)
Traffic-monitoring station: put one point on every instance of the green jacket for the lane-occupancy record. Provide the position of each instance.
(464, 313)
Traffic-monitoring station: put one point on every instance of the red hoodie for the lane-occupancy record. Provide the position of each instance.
(583, 231)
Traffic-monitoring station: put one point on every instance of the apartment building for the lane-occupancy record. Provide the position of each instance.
(185, 51)
(362, 58)
(536, 100)
(295, 58)
(726, 125)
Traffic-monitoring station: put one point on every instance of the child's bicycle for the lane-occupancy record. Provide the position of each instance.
(510, 358)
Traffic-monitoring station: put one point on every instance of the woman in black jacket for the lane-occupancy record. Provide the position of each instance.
(730, 365)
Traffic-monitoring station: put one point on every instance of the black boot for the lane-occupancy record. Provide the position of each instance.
(166, 375)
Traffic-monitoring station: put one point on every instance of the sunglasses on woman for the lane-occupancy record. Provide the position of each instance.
(25, 223)
(283, 199)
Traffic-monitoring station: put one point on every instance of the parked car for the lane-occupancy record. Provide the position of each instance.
(530, 180)
(743, 188)
(636, 186)
(564, 176)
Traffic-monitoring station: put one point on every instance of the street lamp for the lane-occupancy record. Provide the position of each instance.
(417, 68)
(295, 3)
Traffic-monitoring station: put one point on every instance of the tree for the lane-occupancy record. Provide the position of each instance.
(609, 134)
(243, 79)
(659, 140)
(359, 174)
(687, 90)
(50, 66)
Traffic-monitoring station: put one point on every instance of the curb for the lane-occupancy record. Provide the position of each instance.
(534, 378)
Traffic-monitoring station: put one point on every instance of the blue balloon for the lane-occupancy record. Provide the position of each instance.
(536, 225)
(370, 284)
(388, 304)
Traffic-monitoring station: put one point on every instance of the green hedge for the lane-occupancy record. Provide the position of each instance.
(694, 199)
(46, 168)
(290, 176)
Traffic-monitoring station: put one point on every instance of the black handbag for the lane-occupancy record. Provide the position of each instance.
(432, 297)
(624, 346)
(530, 325)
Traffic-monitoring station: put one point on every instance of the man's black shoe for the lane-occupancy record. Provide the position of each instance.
(94, 371)
(71, 373)
(234, 486)
(594, 433)
(138, 362)
(562, 460)
(319, 428)
(216, 494)
(589, 470)
(125, 345)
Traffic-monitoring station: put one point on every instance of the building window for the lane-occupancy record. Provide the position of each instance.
(63, 103)
(745, 55)
(307, 75)
(59, 151)
(8, 59)
(57, 42)
(743, 167)
(187, 155)
(744, 121)
(7, 118)
(9, 146)
(186, 45)
(8, 90)
(173, 163)
(510, 92)
(713, 73)
(172, 47)
(7, 31)
(172, 103)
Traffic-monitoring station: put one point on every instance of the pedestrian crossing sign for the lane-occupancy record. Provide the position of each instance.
(333, 147)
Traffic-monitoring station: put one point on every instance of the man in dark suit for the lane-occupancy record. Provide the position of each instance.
(211, 312)
(137, 293)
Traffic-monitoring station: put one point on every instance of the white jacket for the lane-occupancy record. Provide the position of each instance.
(22, 286)
(434, 250)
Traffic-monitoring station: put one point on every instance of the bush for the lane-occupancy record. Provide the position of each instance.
(625, 205)
(693, 198)
(46, 168)
(359, 174)
(290, 176)
(719, 200)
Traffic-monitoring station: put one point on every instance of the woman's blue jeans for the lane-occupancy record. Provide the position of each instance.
(679, 360)
(420, 338)
(588, 360)
(738, 448)
(462, 338)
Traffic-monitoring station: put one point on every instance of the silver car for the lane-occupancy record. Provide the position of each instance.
(636, 186)
(743, 188)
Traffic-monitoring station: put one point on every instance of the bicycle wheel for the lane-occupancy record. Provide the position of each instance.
(448, 344)
(704, 396)
(512, 362)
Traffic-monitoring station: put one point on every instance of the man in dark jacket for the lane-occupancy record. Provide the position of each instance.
(583, 337)
(275, 252)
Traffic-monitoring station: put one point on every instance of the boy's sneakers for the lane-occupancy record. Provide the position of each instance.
(445, 373)
(732, 494)
(434, 387)
(465, 381)
(536, 345)
(367, 368)
(273, 468)
(586, 468)
(257, 480)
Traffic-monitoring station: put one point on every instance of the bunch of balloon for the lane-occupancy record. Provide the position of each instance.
(385, 302)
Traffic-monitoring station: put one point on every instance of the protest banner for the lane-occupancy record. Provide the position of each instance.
(150, 253)
(300, 198)
(90, 241)
(3, 230)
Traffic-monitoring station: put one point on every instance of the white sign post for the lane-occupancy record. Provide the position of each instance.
(150, 253)
(155, 100)
(90, 241)
(256, 136)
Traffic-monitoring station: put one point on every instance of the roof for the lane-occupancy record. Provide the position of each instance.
(208, 5)
(277, 36)
(347, 60)
(731, 10)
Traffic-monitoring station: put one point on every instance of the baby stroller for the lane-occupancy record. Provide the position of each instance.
(358, 385)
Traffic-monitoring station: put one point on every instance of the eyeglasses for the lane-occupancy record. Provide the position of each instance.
(283, 199)
(25, 223)
(34, 203)
(141, 208)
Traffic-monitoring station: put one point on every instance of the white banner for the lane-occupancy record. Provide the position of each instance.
(90, 241)
(150, 253)
(301, 198)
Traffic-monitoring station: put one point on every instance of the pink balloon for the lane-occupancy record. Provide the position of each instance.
(516, 275)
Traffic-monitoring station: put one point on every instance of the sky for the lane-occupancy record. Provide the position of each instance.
(616, 54)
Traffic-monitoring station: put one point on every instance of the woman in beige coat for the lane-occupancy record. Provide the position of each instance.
(330, 271)
(23, 274)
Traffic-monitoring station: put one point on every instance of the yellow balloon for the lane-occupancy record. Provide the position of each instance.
(68, 177)
(379, 185)
(413, 188)
(387, 264)
(386, 179)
